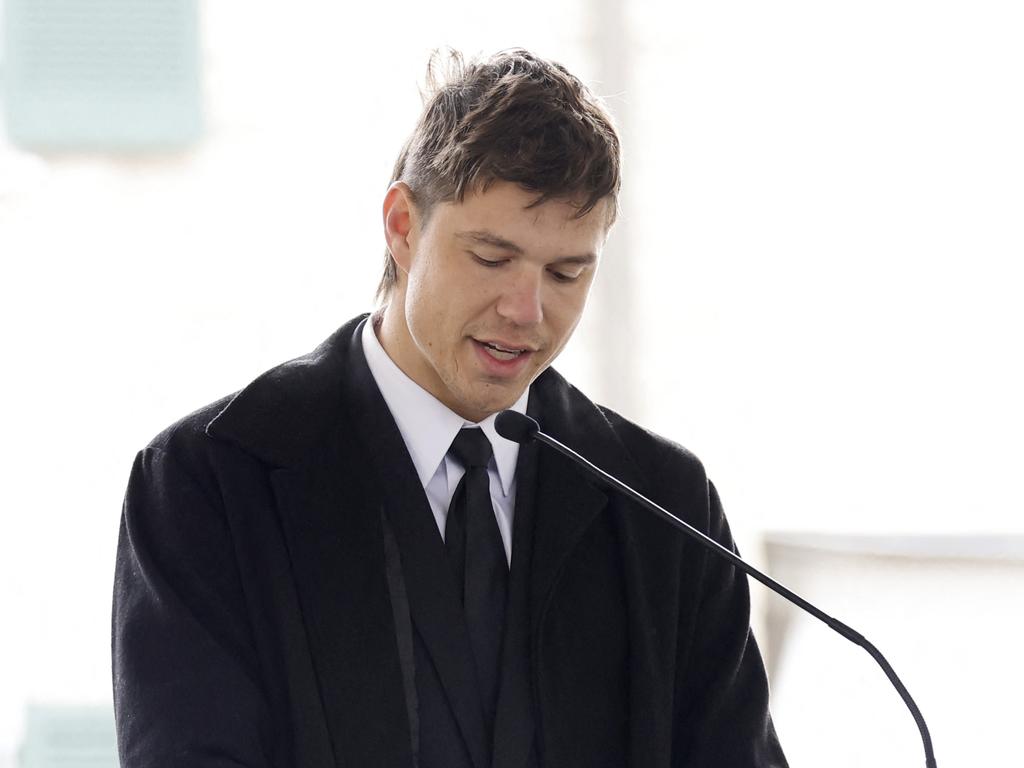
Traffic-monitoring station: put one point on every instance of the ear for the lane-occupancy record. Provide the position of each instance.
(401, 224)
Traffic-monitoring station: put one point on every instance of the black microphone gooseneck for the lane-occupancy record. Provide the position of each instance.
(520, 428)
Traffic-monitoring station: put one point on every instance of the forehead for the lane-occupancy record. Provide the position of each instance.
(503, 210)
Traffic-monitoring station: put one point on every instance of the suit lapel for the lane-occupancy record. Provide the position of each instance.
(513, 725)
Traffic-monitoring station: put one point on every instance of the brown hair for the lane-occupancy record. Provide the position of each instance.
(515, 117)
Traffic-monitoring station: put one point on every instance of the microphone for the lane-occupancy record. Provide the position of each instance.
(515, 426)
(520, 428)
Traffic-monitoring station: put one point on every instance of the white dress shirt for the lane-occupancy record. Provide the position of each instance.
(429, 427)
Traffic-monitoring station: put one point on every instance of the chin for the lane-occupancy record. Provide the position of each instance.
(486, 406)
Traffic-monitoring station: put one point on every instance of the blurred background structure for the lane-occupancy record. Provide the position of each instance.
(815, 285)
(110, 75)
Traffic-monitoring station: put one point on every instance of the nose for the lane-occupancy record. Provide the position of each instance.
(521, 301)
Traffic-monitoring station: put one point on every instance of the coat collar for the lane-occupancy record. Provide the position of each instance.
(286, 412)
(283, 414)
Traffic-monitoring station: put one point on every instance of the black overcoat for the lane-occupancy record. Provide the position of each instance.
(253, 623)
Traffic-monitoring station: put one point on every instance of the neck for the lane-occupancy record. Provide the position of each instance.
(392, 332)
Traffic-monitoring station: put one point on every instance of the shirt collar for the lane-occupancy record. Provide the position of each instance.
(427, 425)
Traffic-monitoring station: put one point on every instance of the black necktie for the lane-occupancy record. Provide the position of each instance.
(478, 558)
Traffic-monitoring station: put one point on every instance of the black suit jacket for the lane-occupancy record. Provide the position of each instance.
(254, 623)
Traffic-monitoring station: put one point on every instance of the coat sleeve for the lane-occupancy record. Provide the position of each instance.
(722, 688)
(185, 672)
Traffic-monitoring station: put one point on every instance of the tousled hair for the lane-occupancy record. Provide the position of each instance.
(514, 117)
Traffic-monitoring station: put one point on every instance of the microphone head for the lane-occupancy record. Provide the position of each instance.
(515, 426)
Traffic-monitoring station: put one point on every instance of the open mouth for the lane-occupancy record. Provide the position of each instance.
(501, 353)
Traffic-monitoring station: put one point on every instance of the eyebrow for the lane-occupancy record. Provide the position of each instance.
(489, 238)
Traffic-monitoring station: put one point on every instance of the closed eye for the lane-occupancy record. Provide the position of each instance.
(486, 262)
(561, 277)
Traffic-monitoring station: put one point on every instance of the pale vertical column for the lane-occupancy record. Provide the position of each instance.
(611, 323)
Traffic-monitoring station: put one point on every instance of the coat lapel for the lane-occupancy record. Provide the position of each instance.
(336, 546)
(433, 599)
(291, 419)
(566, 500)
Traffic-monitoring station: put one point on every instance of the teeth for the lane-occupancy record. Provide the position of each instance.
(502, 354)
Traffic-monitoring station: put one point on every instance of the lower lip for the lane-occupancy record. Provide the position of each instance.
(504, 368)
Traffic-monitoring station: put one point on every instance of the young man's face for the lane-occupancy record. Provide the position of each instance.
(488, 291)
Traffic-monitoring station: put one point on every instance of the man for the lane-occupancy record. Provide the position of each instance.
(344, 564)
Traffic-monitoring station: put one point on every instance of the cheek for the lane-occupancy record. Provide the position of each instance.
(429, 314)
(421, 296)
(565, 311)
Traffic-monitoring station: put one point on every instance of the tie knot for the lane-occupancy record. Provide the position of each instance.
(472, 448)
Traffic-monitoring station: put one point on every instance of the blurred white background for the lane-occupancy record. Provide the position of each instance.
(815, 285)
